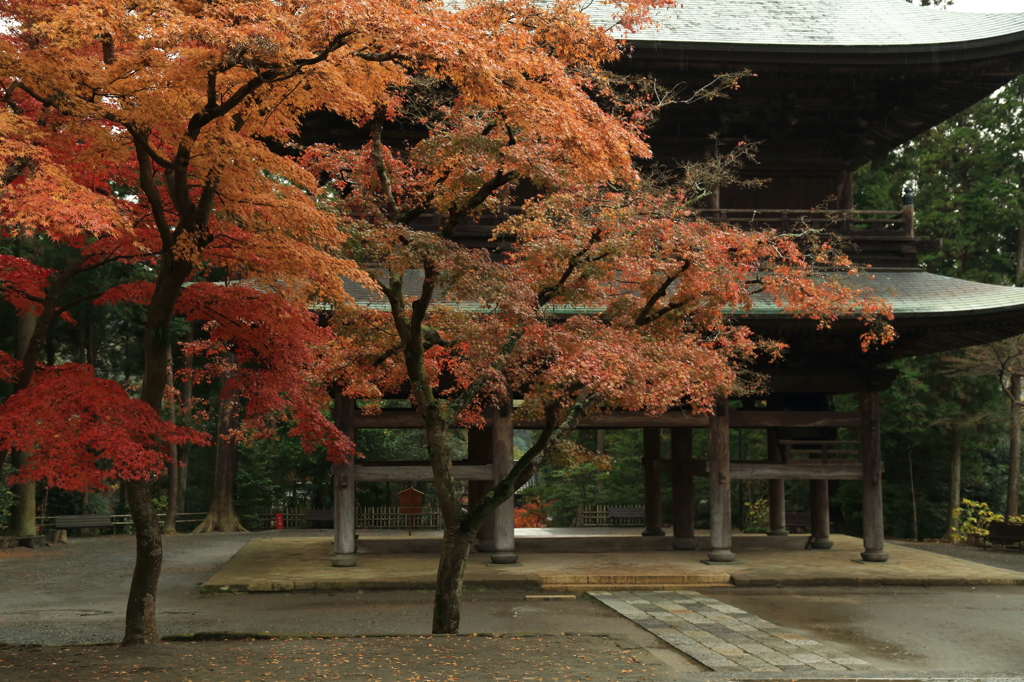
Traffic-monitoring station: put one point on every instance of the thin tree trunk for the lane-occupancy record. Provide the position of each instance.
(186, 403)
(1013, 479)
(173, 473)
(221, 516)
(913, 495)
(1018, 273)
(952, 524)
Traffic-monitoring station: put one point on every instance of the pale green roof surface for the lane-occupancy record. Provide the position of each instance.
(821, 23)
(916, 293)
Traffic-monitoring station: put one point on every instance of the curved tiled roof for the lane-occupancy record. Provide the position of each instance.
(758, 24)
(931, 313)
(916, 294)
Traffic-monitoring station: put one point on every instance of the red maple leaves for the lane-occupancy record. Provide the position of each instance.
(84, 432)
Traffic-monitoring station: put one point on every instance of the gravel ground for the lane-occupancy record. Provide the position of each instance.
(75, 593)
(1011, 559)
(447, 659)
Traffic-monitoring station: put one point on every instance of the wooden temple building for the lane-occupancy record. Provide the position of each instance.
(837, 84)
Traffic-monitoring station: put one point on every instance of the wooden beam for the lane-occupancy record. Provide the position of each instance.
(806, 470)
(344, 488)
(652, 463)
(410, 419)
(421, 472)
(719, 484)
(759, 419)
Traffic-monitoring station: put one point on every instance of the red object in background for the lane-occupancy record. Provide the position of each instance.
(279, 521)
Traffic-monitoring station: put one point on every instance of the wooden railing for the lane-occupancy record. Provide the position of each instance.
(123, 522)
(291, 517)
(596, 516)
(880, 223)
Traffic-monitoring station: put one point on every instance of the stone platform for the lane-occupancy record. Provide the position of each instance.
(303, 563)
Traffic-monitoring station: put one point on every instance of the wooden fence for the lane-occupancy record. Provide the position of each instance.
(292, 517)
(596, 516)
(366, 517)
(184, 521)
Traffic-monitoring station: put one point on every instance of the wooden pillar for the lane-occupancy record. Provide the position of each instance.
(871, 461)
(652, 482)
(819, 515)
(682, 489)
(504, 517)
(720, 483)
(481, 450)
(344, 488)
(776, 489)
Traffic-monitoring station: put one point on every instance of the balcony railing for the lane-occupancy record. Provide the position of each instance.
(852, 223)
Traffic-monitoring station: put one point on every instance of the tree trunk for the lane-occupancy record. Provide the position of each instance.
(186, 403)
(23, 514)
(1013, 479)
(221, 516)
(450, 571)
(952, 524)
(140, 616)
(173, 473)
(913, 496)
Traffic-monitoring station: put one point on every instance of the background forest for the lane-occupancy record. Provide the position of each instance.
(965, 177)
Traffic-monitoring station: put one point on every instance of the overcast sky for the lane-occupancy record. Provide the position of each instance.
(988, 6)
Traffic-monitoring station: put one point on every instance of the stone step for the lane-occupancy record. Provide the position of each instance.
(583, 587)
(630, 581)
(634, 583)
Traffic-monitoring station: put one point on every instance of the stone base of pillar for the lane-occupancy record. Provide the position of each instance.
(343, 560)
(721, 555)
(504, 558)
(685, 543)
(653, 532)
(823, 544)
(875, 555)
(778, 532)
(485, 546)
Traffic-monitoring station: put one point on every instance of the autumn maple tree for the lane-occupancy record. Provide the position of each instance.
(187, 116)
(602, 290)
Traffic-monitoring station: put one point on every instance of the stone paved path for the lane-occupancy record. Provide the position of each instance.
(723, 637)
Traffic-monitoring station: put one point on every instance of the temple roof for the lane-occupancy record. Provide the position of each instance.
(931, 313)
(836, 24)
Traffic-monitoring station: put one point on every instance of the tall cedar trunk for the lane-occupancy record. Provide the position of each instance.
(221, 516)
(173, 473)
(450, 571)
(1013, 478)
(140, 616)
(952, 524)
(23, 514)
(186, 403)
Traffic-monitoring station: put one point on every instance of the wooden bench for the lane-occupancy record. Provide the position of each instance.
(84, 521)
(626, 513)
(30, 541)
(1004, 533)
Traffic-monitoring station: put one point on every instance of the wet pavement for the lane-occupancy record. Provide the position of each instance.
(76, 593)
